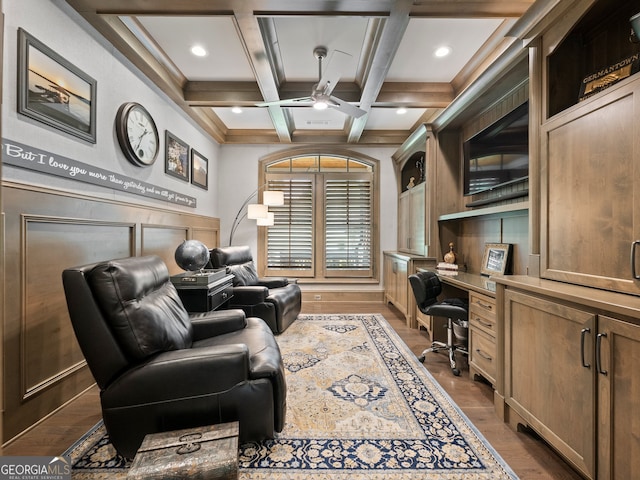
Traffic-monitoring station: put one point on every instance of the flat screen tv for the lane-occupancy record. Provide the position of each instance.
(499, 154)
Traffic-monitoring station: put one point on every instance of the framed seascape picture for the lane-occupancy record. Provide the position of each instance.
(199, 170)
(496, 259)
(177, 157)
(54, 91)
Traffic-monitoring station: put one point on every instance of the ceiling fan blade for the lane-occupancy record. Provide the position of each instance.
(346, 107)
(287, 102)
(336, 66)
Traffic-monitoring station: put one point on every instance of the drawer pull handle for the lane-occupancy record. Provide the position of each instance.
(484, 324)
(486, 306)
(599, 354)
(484, 355)
(583, 334)
(633, 260)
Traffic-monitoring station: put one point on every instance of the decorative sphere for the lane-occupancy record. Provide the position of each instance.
(192, 255)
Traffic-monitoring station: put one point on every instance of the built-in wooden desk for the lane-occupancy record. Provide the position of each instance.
(482, 322)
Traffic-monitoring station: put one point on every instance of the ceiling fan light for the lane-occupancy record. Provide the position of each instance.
(320, 105)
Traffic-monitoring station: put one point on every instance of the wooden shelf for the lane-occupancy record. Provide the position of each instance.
(479, 212)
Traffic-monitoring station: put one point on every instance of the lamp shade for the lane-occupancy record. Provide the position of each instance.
(257, 210)
(267, 222)
(273, 198)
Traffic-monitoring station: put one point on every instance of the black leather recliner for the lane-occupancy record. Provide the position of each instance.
(159, 368)
(276, 300)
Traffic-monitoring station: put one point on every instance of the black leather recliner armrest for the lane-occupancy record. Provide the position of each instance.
(273, 282)
(189, 372)
(249, 295)
(219, 322)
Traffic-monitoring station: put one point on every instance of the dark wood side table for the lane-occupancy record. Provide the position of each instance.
(198, 296)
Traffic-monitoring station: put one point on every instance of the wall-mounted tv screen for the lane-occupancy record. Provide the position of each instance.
(499, 154)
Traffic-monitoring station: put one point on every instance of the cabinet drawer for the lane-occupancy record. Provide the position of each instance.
(482, 312)
(482, 350)
(478, 320)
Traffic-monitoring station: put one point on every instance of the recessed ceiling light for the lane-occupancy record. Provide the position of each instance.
(236, 110)
(401, 111)
(442, 51)
(198, 51)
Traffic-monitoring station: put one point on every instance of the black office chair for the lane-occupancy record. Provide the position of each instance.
(426, 288)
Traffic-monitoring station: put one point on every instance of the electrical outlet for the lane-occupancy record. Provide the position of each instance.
(317, 297)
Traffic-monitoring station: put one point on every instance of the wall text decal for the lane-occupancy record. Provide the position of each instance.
(32, 158)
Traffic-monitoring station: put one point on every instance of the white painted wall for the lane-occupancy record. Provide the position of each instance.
(238, 178)
(56, 25)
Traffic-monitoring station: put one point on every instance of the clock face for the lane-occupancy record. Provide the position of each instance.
(137, 134)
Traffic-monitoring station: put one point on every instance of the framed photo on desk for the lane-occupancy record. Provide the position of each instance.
(496, 259)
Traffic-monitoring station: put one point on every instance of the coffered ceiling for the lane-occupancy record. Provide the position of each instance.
(260, 51)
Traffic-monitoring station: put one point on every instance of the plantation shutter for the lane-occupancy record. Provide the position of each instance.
(290, 241)
(348, 225)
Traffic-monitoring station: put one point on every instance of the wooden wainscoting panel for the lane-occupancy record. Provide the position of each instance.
(46, 231)
(49, 349)
(162, 240)
(209, 236)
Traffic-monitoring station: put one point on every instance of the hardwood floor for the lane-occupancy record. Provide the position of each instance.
(529, 457)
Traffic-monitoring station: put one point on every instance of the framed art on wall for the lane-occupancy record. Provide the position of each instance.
(177, 157)
(199, 170)
(54, 91)
(496, 259)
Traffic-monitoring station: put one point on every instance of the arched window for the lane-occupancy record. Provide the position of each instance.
(327, 228)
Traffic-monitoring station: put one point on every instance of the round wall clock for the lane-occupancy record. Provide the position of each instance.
(137, 134)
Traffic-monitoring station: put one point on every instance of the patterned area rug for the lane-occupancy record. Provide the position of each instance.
(360, 406)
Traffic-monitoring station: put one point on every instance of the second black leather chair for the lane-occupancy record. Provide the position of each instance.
(276, 300)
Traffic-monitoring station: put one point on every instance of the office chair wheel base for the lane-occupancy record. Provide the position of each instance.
(421, 358)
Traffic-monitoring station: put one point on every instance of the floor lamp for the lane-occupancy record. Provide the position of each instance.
(258, 211)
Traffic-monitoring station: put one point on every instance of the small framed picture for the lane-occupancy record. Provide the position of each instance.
(199, 170)
(54, 91)
(496, 259)
(177, 157)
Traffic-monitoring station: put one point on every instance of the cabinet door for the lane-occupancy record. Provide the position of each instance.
(619, 393)
(402, 278)
(416, 222)
(390, 282)
(545, 380)
(411, 220)
(590, 190)
(404, 216)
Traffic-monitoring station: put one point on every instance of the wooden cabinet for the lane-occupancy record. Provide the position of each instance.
(589, 150)
(545, 381)
(571, 373)
(482, 336)
(396, 281)
(592, 159)
(397, 268)
(411, 220)
(618, 394)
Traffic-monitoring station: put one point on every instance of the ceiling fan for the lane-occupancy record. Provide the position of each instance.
(321, 97)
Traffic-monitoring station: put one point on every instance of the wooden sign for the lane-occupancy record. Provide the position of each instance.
(32, 158)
